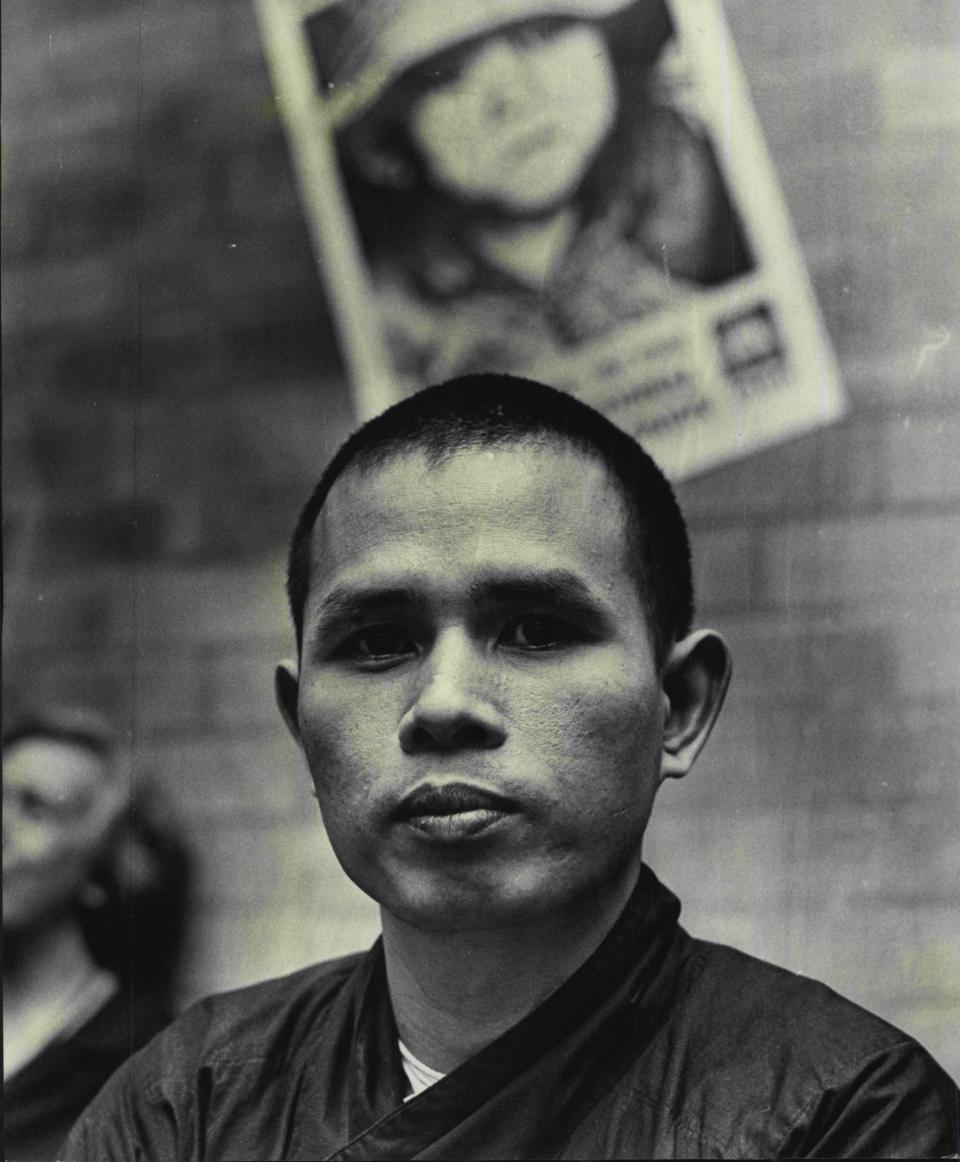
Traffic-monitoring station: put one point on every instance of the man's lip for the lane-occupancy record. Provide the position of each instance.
(451, 799)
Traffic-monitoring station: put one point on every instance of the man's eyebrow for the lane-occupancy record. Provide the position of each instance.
(558, 589)
(555, 589)
(345, 604)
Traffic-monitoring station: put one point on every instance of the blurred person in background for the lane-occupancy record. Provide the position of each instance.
(94, 895)
(521, 181)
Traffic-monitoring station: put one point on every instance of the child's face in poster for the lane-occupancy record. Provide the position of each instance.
(518, 125)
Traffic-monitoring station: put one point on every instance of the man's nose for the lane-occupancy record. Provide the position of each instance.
(455, 705)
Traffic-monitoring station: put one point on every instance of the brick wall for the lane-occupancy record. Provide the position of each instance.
(171, 388)
(823, 816)
(171, 392)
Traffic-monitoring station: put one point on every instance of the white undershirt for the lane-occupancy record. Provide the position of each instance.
(419, 1076)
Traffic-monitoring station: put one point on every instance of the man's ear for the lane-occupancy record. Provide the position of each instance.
(695, 680)
(286, 684)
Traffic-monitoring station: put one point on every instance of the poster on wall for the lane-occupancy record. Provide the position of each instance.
(576, 191)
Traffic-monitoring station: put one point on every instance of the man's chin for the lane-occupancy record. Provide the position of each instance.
(465, 903)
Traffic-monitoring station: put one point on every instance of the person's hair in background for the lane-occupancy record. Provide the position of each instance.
(95, 883)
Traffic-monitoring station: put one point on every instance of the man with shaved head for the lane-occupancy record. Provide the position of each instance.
(496, 670)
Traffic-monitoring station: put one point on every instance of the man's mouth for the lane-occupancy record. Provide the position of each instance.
(453, 811)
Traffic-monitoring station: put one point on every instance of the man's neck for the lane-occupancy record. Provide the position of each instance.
(454, 992)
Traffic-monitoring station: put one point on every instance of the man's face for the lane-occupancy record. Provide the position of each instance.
(522, 119)
(478, 698)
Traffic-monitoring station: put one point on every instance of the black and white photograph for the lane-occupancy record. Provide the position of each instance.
(480, 551)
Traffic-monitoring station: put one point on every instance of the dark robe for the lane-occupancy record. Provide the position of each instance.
(658, 1046)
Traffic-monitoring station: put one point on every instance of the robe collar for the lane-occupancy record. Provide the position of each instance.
(515, 1097)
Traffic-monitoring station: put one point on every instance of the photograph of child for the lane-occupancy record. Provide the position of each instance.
(520, 181)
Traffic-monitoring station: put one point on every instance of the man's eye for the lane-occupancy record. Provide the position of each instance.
(538, 632)
(379, 643)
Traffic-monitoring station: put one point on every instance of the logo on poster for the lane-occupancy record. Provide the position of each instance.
(751, 348)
